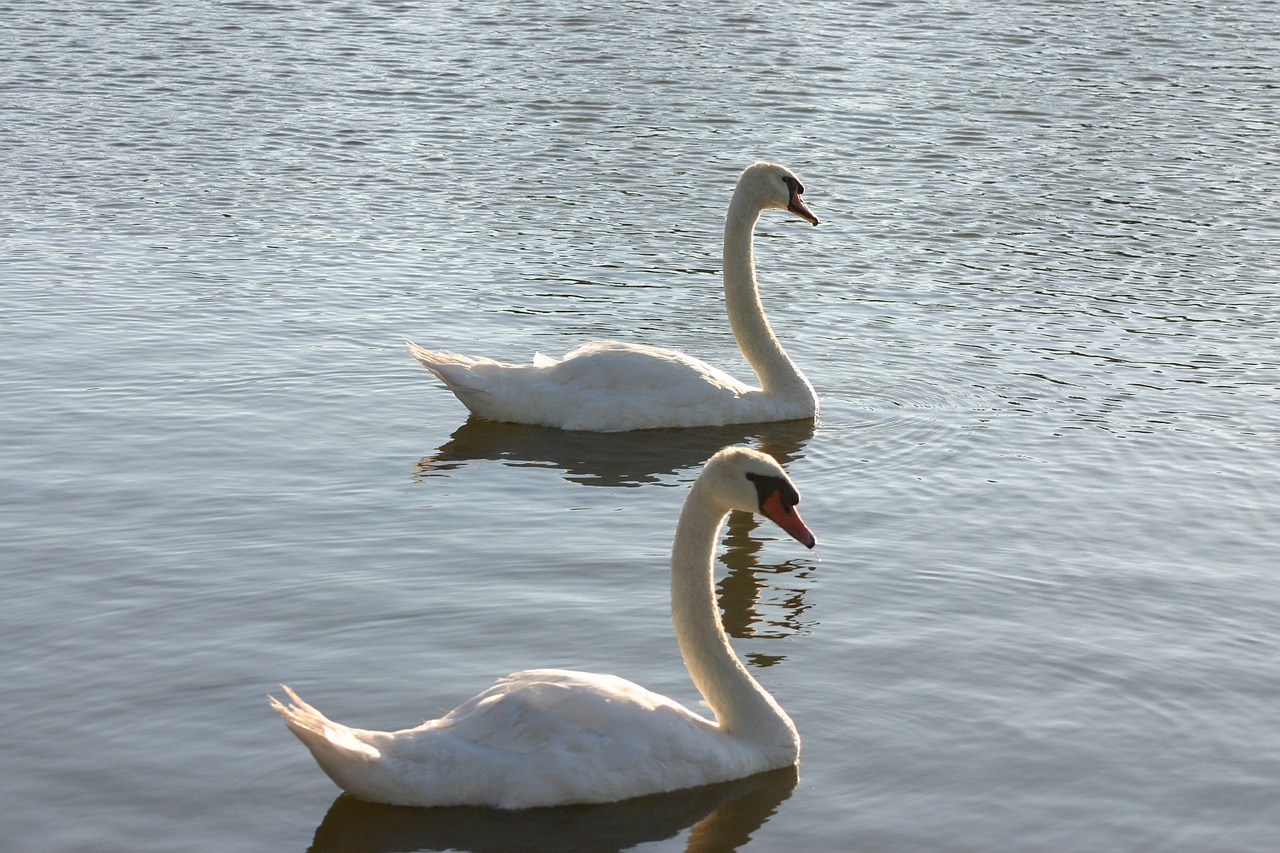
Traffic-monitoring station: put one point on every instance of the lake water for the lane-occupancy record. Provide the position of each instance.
(1041, 310)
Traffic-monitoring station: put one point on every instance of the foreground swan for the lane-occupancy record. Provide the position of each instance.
(606, 386)
(546, 737)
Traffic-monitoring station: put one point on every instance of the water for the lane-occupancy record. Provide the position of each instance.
(1041, 311)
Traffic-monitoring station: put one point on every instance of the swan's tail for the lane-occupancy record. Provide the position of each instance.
(433, 360)
(333, 744)
(470, 378)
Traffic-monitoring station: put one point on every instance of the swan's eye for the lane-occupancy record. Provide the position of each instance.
(792, 184)
(766, 486)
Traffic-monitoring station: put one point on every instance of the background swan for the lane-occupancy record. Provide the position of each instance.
(549, 737)
(606, 386)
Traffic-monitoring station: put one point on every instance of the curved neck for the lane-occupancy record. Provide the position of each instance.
(741, 706)
(778, 374)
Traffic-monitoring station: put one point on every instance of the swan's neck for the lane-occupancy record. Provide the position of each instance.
(741, 706)
(778, 374)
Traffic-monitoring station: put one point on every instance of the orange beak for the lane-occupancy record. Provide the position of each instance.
(788, 519)
(799, 208)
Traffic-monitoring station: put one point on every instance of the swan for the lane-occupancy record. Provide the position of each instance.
(607, 386)
(547, 737)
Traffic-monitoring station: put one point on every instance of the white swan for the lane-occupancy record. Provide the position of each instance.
(606, 386)
(547, 737)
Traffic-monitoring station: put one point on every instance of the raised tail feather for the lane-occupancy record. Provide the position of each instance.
(327, 740)
(433, 359)
(468, 377)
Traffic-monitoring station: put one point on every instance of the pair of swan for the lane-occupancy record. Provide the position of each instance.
(607, 386)
(549, 737)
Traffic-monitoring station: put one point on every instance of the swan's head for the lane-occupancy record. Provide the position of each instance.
(774, 186)
(751, 481)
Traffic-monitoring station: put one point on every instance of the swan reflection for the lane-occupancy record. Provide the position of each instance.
(723, 818)
(609, 459)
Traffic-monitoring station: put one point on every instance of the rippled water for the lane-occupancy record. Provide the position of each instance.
(1041, 311)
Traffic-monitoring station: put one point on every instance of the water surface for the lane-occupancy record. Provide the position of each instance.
(1041, 311)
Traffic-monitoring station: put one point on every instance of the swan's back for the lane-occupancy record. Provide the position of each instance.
(535, 738)
(605, 386)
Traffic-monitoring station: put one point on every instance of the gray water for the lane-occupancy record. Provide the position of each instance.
(1041, 311)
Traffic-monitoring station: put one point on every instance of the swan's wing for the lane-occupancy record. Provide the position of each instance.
(618, 386)
(556, 710)
(604, 367)
(602, 386)
(547, 737)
